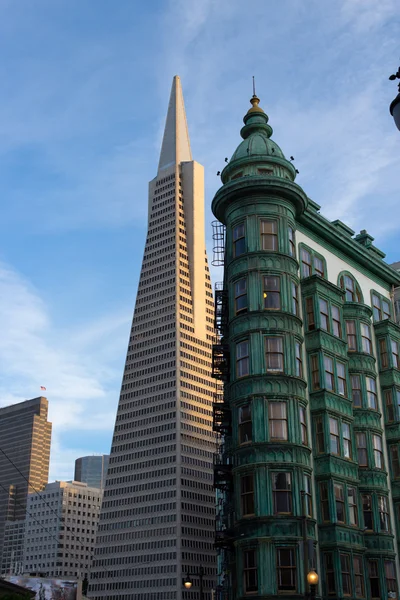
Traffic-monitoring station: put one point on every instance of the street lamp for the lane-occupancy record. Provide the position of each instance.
(395, 105)
(188, 582)
(312, 579)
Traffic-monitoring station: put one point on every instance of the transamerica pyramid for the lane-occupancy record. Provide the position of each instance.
(157, 519)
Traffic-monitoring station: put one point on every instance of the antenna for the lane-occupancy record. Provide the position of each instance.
(254, 87)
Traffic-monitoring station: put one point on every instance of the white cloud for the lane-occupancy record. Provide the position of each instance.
(79, 370)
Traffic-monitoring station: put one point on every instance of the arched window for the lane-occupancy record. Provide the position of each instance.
(351, 287)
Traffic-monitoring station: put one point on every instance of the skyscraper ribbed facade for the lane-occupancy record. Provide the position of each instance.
(25, 436)
(157, 517)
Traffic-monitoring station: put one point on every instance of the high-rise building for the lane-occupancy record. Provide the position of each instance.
(158, 512)
(92, 470)
(60, 529)
(309, 475)
(25, 436)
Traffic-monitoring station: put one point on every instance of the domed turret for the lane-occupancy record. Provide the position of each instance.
(258, 154)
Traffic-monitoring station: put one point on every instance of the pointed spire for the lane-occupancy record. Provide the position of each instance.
(176, 144)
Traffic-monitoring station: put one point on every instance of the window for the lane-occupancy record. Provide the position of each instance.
(269, 235)
(295, 299)
(334, 436)
(394, 454)
(351, 287)
(299, 360)
(303, 425)
(336, 325)
(272, 293)
(359, 576)
(388, 395)
(341, 375)
(310, 314)
(277, 414)
(378, 452)
(339, 501)
(383, 509)
(319, 266)
(390, 576)
(347, 451)
(308, 496)
(371, 393)
(286, 569)
(306, 264)
(373, 573)
(330, 574)
(356, 390)
(315, 372)
(329, 373)
(250, 583)
(324, 314)
(383, 353)
(346, 574)
(292, 241)
(351, 336)
(241, 296)
(366, 338)
(311, 263)
(247, 495)
(282, 493)
(381, 307)
(367, 512)
(319, 434)
(362, 454)
(395, 354)
(352, 502)
(239, 240)
(242, 358)
(245, 424)
(324, 499)
(274, 354)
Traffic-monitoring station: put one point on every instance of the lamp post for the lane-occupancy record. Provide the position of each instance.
(395, 105)
(188, 582)
(312, 578)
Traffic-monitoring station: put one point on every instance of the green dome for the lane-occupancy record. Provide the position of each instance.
(258, 142)
(257, 155)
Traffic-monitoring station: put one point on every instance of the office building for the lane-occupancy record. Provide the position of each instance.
(158, 513)
(60, 529)
(25, 436)
(92, 470)
(309, 474)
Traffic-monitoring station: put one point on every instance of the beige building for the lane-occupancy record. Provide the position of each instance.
(158, 513)
(60, 529)
(25, 436)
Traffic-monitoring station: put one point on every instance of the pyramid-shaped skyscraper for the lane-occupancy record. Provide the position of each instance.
(158, 513)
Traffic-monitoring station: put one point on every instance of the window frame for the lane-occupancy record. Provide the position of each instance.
(283, 420)
(270, 235)
(247, 496)
(248, 570)
(237, 240)
(350, 285)
(303, 425)
(359, 575)
(299, 359)
(242, 359)
(378, 452)
(240, 294)
(243, 424)
(362, 448)
(378, 311)
(292, 568)
(384, 513)
(271, 293)
(375, 576)
(277, 493)
(311, 268)
(277, 353)
(349, 586)
(292, 241)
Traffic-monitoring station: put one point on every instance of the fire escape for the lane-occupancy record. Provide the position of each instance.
(222, 425)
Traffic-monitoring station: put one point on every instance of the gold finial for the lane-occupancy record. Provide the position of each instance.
(254, 101)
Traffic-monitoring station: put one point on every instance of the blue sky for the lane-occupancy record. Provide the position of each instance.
(84, 94)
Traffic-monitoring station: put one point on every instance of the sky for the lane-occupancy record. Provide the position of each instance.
(84, 93)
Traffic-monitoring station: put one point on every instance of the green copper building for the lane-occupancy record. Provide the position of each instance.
(308, 413)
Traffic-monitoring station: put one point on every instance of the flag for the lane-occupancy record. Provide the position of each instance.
(42, 387)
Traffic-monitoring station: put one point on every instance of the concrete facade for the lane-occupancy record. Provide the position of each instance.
(157, 517)
(60, 529)
(25, 436)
